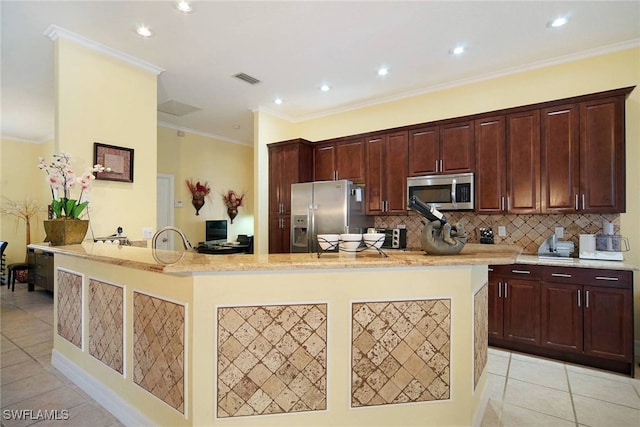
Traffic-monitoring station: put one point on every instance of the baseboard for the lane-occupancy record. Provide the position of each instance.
(118, 407)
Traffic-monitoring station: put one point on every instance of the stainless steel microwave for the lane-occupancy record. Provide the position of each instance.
(454, 192)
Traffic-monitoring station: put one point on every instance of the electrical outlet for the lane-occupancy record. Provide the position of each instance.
(147, 232)
(178, 204)
(559, 232)
(502, 231)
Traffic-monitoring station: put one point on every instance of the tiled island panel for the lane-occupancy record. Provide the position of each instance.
(480, 332)
(106, 323)
(400, 352)
(271, 359)
(159, 348)
(69, 313)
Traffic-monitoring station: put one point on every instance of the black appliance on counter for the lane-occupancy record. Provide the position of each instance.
(394, 238)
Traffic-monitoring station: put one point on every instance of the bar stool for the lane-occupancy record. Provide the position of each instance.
(3, 245)
(13, 270)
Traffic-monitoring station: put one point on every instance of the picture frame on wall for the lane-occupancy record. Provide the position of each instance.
(117, 161)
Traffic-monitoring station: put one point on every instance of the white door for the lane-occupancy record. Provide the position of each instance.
(165, 210)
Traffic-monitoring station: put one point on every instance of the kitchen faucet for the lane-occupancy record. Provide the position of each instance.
(185, 242)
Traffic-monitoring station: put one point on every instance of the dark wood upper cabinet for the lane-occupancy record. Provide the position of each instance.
(602, 168)
(386, 174)
(424, 151)
(448, 148)
(491, 165)
(457, 147)
(324, 162)
(560, 158)
(583, 157)
(339, 160)
(523, 162)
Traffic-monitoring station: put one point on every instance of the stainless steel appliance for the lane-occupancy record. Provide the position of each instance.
(325, 207)
(394, 238)
(445, 192)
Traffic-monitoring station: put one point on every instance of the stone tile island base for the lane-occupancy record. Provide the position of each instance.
(353, 346)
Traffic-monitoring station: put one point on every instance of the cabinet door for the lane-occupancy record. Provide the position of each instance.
(350, 160)
(279, 234)
(560, 159)
(602, 169)
(275, 180)
(495, 307)
(608, 326)
(396, 172)
(324, 162)
(424, 151)
(522, 311)
(523, 162)
(491, 162)
(561, 323)
(457, 147)
(289, 175)
(375, 176)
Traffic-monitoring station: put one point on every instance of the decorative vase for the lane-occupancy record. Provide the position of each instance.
(198, 203)
(62, 231)
(232, 212)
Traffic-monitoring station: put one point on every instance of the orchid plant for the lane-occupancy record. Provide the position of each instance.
(62, 179)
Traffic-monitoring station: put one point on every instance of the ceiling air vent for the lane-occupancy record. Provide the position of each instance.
(176, 108)
(247, 78)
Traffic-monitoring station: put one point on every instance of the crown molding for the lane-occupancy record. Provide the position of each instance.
(54, 32)
(629, 44)
(205, 134)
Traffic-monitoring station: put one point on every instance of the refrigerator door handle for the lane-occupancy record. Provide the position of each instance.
(311, 230)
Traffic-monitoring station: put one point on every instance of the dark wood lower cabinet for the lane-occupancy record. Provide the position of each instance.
(578, 315)
(40, 269)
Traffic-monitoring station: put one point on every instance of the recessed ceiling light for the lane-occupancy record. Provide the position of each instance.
(236, 126)
(458, 50)
(277, 101)
(183, 6)
(383, 71)
(558, 22)
(144, 31)
(325, 87)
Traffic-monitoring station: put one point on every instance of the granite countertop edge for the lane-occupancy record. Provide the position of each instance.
(163, 261)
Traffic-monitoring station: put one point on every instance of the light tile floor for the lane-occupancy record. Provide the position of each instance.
(523, 390)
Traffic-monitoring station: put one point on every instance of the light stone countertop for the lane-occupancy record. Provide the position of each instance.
(576, 262)
(192, 262)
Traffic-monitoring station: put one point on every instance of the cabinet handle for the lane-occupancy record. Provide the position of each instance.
(502, 203)
(577, 206)
(508, 203)
(490, 269)
(521, 271)
(335, 174)
(499, 289)
(561, 275)
(612, 279)
(579, 298)
(505, 289)
(586, 297)
(583, 203)
(441, 168)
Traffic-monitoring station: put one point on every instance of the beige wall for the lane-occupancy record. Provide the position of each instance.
(595, 74)
(103, 99)
(224, 165)
(20, 178)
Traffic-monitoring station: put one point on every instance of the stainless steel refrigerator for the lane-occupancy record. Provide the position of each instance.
(325, 207)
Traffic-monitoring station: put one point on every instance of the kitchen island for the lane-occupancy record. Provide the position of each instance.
(180, 338)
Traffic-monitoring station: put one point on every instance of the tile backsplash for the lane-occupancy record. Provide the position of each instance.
(526, 231)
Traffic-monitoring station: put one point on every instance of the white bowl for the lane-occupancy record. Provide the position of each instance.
(374, 239)
(350, 242)
(328, 241)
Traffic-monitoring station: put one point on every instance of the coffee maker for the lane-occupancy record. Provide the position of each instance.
(606, 246)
